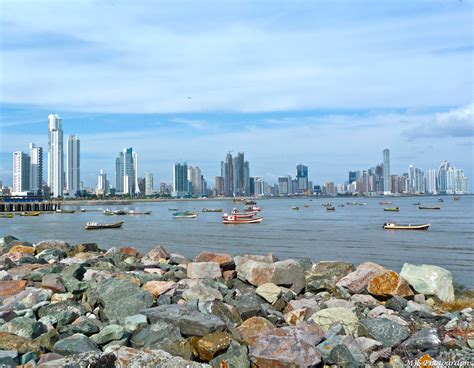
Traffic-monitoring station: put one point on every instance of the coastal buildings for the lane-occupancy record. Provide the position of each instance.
(387, 182)
(55, 156)
(36, 169)
(73, 165)
(149, 184)
(180, 180)
(102, 184)
(302, 177)
(21, 172)
(219, 186)
(126, 178)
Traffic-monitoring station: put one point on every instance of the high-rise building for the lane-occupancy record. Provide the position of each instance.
(387, 181)
(73, 165)
(21, 172)
(102, 184)
(55, 156)
(228, 174)
(442, 177)
(126, 174)
(219, 185)
(431, 187)
(149, 184)
(302, 177)
(137, 188)
(36, 169)
(284, 185)
(352, 176)
(378, 179)
(195, 181)
(180, 180)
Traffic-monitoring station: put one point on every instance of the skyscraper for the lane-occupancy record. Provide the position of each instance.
(55, 155)
(149, 184)
(102, 183)
(302, 177)
(136, 187)
(73, 165)
(443, 177)
(126, 175)
(228, 175)
(219, 185)
(36, 169)
(21, 172)
(119, 173)
(387, 180)
(180, 180)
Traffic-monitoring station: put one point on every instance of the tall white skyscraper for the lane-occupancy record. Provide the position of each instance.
(431, 187)
(55, 155)
(135, 172)
(21, 172)
(387, 180)
(102, 183)
(36, 169)
(126, 169)
(73, 166)
(149, 184)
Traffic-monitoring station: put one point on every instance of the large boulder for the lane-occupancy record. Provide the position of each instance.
(159, 287)
(24, 327)
(235, 357)
(325, 274)
(75, 344)
(253, 327)
(204, 270)
(202, 293)
(241, 259)
(52, 244)
(26, 299)
(269, 291)
(226, 262)
(17, 343)
(388, 284)
(10, 288)
(389, 333)
(329, 316)
(211, 345)
(108, 333)
(121, 298)
(158, 253)
(358, 280)
(429, 280)
(422, 342)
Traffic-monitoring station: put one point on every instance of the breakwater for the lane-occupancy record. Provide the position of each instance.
(78, 305)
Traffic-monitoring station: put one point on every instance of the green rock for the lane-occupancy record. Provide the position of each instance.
(73, 285)
(76, 270)
(24, 327)
(47, 340)
(30, 356)
(324, 275)
(37, 275)
(85, 326)
(52, 255)
(65, 312)
(75, 344)
(388, 333)
(107, 334)
(329, 316)
(342, 357)
(235, 357)
(133, 323)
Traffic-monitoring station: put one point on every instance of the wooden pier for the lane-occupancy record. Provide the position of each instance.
(28, 204)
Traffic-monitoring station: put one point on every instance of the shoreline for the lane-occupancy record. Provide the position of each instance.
(64, 304)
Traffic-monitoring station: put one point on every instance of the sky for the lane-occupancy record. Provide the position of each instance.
(329, 84)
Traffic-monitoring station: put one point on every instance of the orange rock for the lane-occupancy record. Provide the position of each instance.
(159, 287)
(225, 261)
(389, 283)
(295, 316)
(209, 345)
(229, 275)
(22, 249)
(253, 326)
(11, 287)
(21, 271)
(131, 251)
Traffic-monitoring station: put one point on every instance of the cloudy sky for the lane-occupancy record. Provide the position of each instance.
(325, 83)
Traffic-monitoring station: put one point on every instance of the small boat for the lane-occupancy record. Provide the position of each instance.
(362, 204)
(327, 204)
(440, 200)
(96, 226)
(429, 208)
(234, 220)
(416, 203)
(392, 209)
(35, 213)
(65, 211)
(6, 215)
(185, 214)
(108, 212)
(83, 210)
(120, 212)
(307, 205)
(330, 208)
(456, 198)
(212, 210)
(237, 214)
(250, 202)
(252, 208)
(385, 202)
(172, 209)
(393, 226)
(296, 208)
(133, 212)
(341, 205)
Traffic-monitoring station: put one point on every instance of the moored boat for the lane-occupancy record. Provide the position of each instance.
(120, 212)
(440, 200)
(134, 212)
(212, 210)
(385, 202)
(416, 203)
(252, 209)
(429, 207)
(307, 205)
(172, 209)
(6, 215)
(34, 213)
(234, 220)
(97, 226)
(456, 198)
(250, 202)
(392, 209)
(185, 214)
(393, 226)
(296, 208)
(238, 214)
(108, 212)
(65, 211)
(330, 208)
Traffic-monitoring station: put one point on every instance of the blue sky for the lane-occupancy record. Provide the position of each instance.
(326, 83)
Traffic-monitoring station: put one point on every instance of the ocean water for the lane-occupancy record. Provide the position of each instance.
(351, 233)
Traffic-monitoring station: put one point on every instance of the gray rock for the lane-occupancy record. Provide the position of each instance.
(327, 345)
(342, 357)
(133, 323)
(203, 270)
(52, 255)
(389, 333)
(248, 305)
(86, 326)
(201, 292)
(24, 327)
(73, 285)
(26, 299)
(64, 312)
(83, 360)
(8, 358)
(121, 298)
(324, 275)
(108, 333)
(52, 244)
(235, 357)
(396, 303)
(75, 344)
(422, 342)
(190, 321)
(345, 316)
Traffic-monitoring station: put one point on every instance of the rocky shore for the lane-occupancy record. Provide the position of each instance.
(81, 306)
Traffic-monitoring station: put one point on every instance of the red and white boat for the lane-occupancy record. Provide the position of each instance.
(241, 215)
(232, 219)
(252, 209)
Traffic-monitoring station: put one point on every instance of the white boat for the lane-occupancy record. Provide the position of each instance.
(234, 220)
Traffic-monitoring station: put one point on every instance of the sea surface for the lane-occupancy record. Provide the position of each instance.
(351, 233)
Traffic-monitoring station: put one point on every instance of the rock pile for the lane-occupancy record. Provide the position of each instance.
(80, 306)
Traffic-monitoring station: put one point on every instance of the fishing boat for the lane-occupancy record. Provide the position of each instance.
(34, 213)
(172, 209)
(362, 204)
(108, 212)
(185, 214)
(238, 214)
(212, 210)
(133, 212)
(65, 211)
(429, 208)
(393, 226)
(440, 200)
(252, 208)
(6, 215)
(385, 202)
(83, 210)
(234, 220)
(307, 205)
(296, 208)
(327, 204)
(97, 226)
(456, 198)
(351, 203)
(392, 209)
(416, 203)
(250, 202)
(330, 208)
(120, 212)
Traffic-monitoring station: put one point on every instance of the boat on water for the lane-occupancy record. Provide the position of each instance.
(393, 226)
(97, 226)
(362, 204)
(173, 209)
(327, 204)
(341, 205)
(252, 209)
(330, 208)
(429, 207)
(416, 203)
(351, 203)
(65, 211)
(120, 212)
(296, 208)
(307, 205)
(134, 212)
(392, 209)
(456, 198)
(108, 212)
(6, 215)
(234, 220)
(212, 210)
(185, 214)
(385, 202)
(250, 202)
(238, 214)
(83, 210)
(34, 213)
(440, 200)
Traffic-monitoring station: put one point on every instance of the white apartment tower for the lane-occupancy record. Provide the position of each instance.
(387, 180)
(21, 172)
(55, 155)
(149, 184)
(36, 169)
(73, 166)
